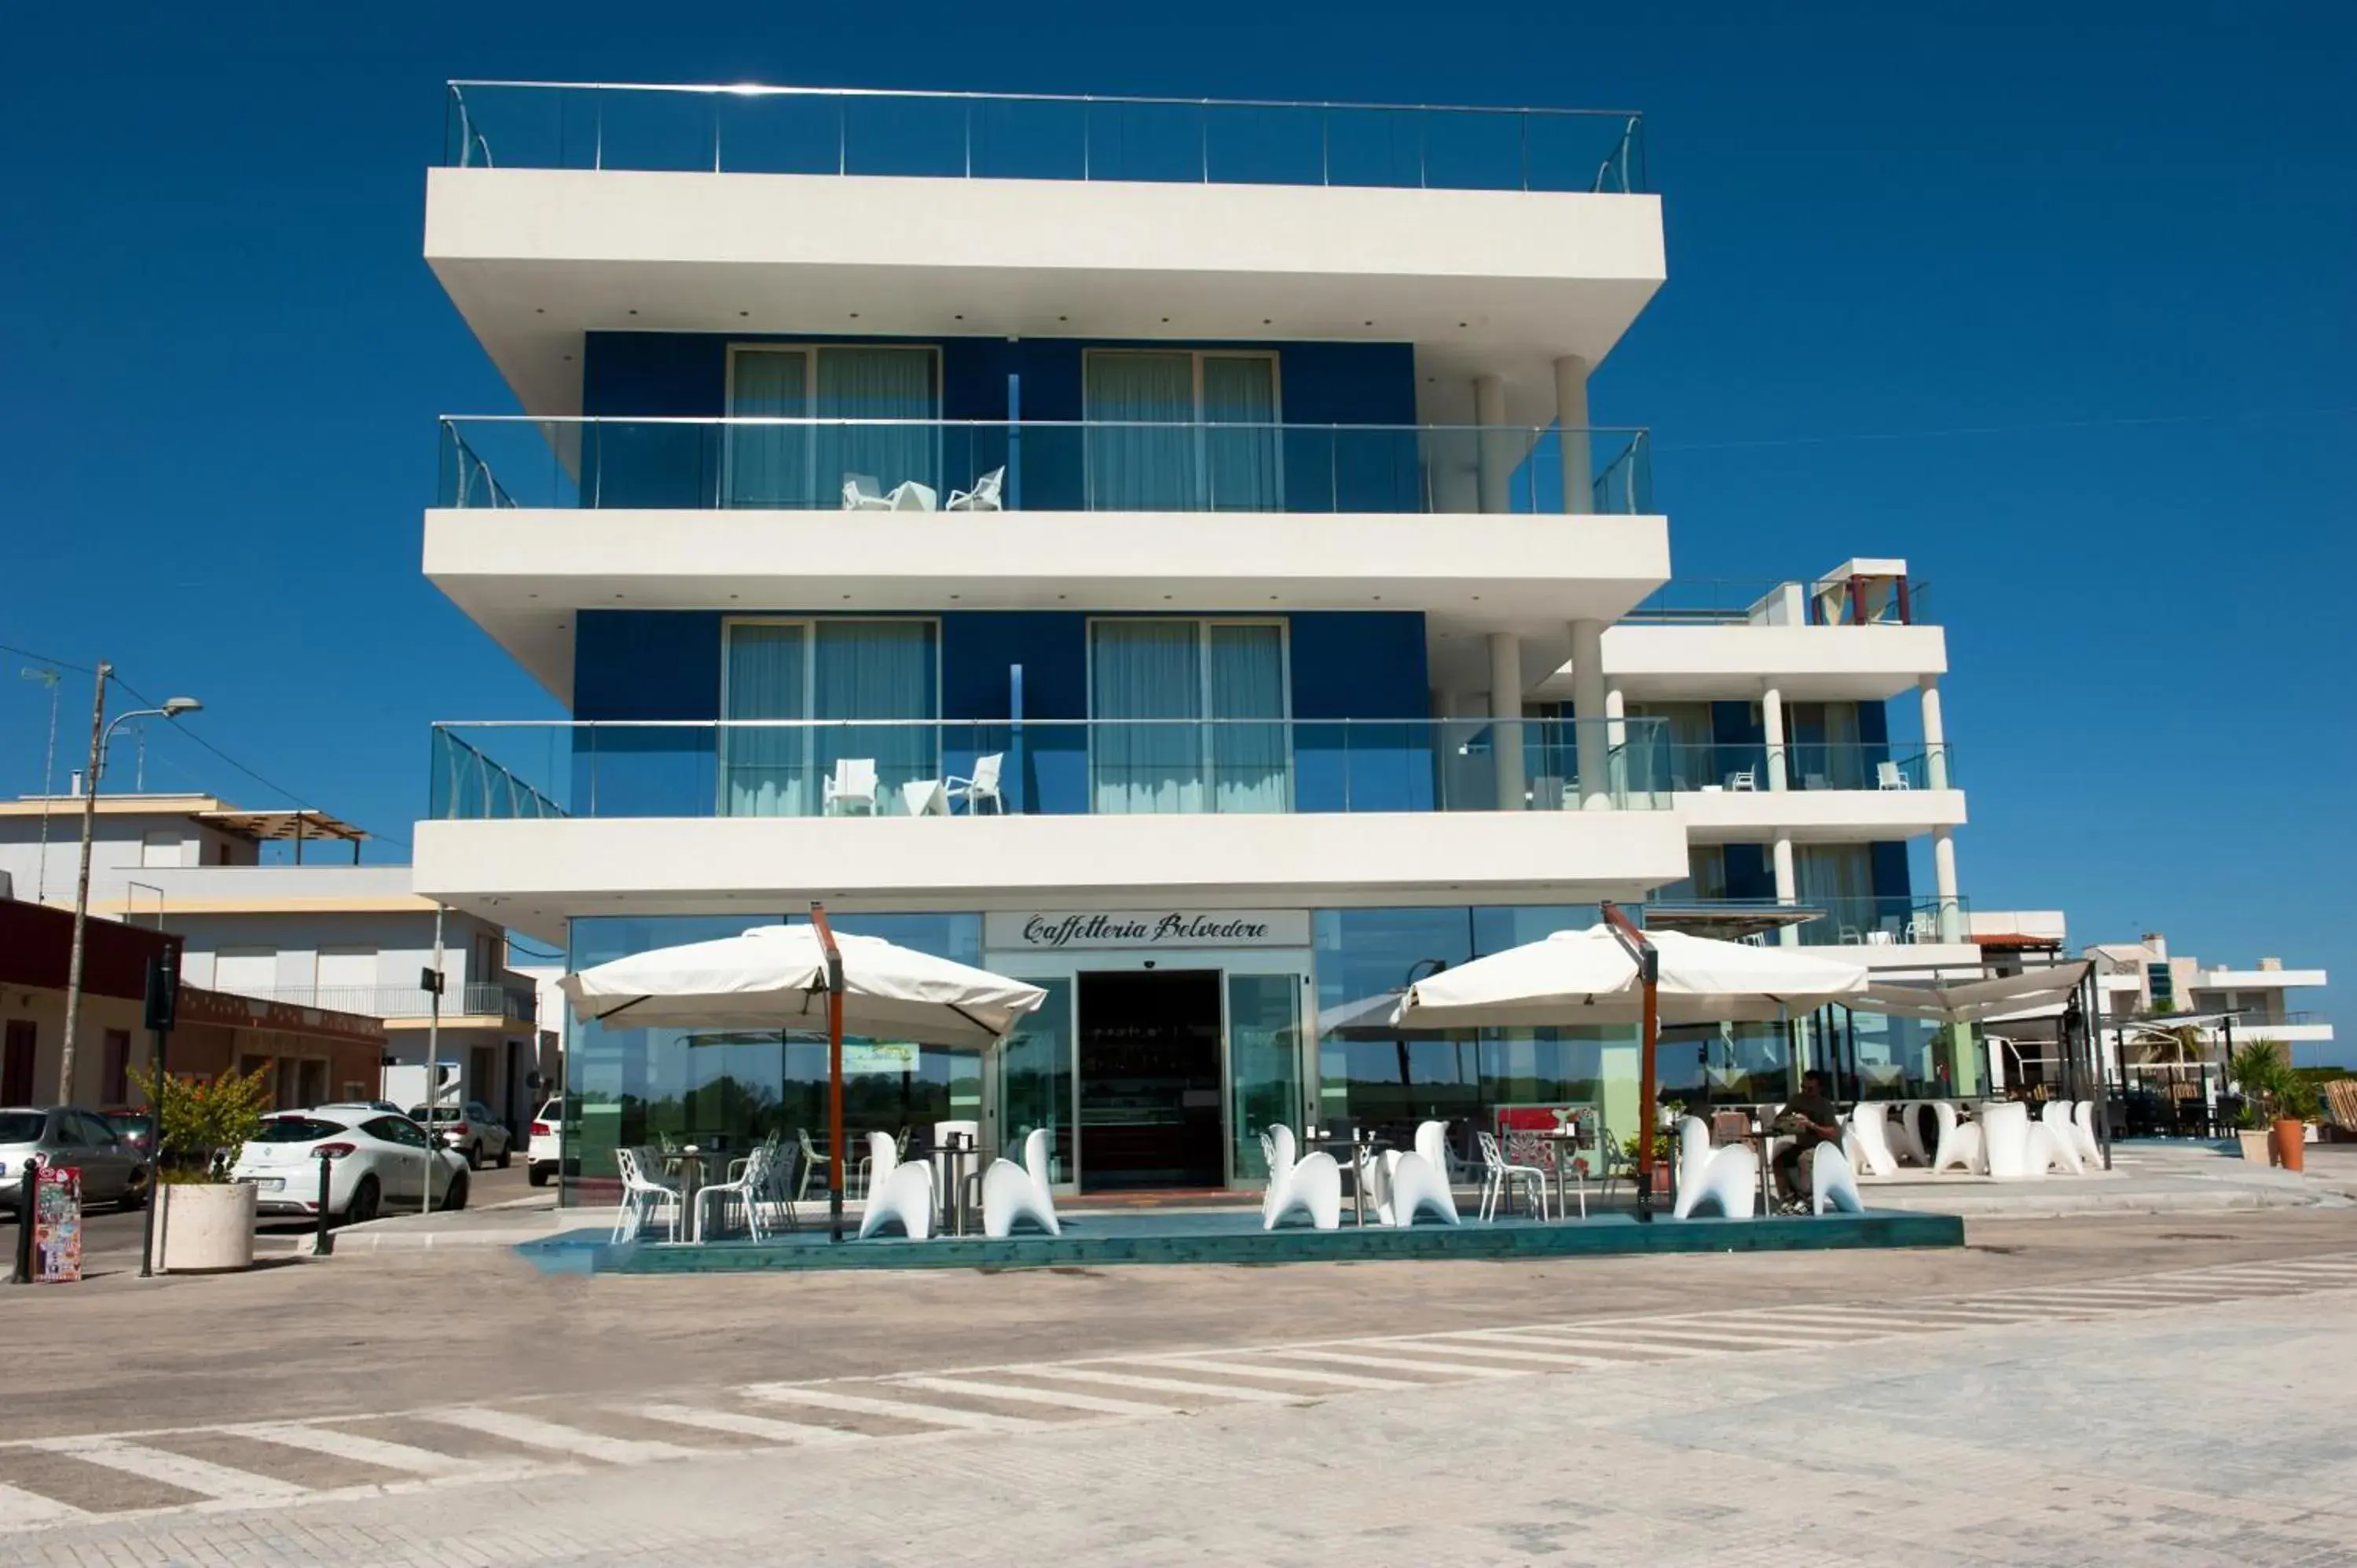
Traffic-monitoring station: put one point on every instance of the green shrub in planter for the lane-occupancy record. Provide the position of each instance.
(201, 1125)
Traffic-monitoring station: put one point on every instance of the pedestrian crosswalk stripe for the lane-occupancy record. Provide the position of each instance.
(1498, 1346)
(740, 1423)
(1295, 1374)
(341, 1444)
(21, 1509)
(1093, 1374)
(535, 1432)
(199, 1476)
(1016, 1393)
(900, 1410)
(1349, 1358)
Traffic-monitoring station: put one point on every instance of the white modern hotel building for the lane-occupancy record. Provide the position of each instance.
(1159, 549)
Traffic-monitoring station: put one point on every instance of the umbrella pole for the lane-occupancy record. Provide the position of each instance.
(834, 1070)
(1649, 971)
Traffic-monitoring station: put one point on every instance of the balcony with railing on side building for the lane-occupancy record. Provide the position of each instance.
(757, 129)
(1872, 920)
(1666, 766)
(979, 466)
(474, 999)
(1840, 599)
(767, 768)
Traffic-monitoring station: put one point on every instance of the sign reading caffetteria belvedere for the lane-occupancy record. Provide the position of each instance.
(1019, 930)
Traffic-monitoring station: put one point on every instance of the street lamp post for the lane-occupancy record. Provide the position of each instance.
(101, 733)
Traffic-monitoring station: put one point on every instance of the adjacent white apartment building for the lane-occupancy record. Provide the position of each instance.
(1159, 549)
(322, 931)
(2143, 979)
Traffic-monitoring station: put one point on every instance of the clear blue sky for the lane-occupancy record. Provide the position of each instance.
(2053, 300)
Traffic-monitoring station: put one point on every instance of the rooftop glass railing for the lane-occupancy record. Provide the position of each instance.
(751, 129)
(1681, 766)
(1036, 768)
(832, 465)
(1726, 601)
(1831, 920)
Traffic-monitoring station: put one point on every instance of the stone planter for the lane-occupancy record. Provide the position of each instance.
(204, 1229)
(2255, 1146)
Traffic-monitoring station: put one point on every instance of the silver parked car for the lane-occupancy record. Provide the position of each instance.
(112, 1168)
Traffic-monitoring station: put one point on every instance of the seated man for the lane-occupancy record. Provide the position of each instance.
(1816, 1121)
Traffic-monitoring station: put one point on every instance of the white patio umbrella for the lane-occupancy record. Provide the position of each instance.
(1615, 973)
(806, 977)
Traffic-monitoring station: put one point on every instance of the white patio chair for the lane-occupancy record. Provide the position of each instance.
(1832, 1183)
(1815, 781)
(1310, 1186)
(1497, 1175)
(746, 1189)
(1726, 1179)
(904, 1198)
(2055, 1117)
(1417, 1186)
(2083, 1120)
(811, 1163)
(850, 789)
(1744, 778)
(1868, 1139)
(984, 496)
(1012, 1193)
(1887, 776)
(643, 1198)
(982, 787)
(910, 495)
(1922, 926)
(861, 494)
(1959, 1142)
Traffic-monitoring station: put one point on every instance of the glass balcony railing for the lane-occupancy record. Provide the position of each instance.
(1663, 765)
(1850, 920)
(750, 129)
(849, 465)
(1722, 601)
(1036, 768)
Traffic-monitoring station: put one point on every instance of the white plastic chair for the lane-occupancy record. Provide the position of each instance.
(1418, 1186)
(643, 1197)
(982, 787)
(860, 494)
(746, 1189)
(850, 789)
(2082, 1118)
(1959, 1142)
(910, 495)
(904, 1198)
(1310, 1186)
(1497, 1175)
(1887, 776)
(2005, 1140)
(1832, 1183)
(1012, 1193)
(2055, 1116)
(1725, 1179)
(984, 496)
(1744, 778)
(1869, 1135)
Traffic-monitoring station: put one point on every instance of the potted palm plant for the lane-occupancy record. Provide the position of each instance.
(204, 1221)
(2281, 1101)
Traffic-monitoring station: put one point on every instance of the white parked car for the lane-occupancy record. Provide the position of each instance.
(471, 1129)
(545, 1151)
(380, 1160)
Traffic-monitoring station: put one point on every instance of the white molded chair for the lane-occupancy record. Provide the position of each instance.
(897, 1194)
(643, 1198)
(1725, 1179)
(2055, 1117)
(1907, 1134)
(1868, 1139)
(910, 495)
(1887, 776)
(860, 494)
(984, 496)
(1960, 1142)
(1417, 1186)
(982, 787)
(2005, 1140)
(1309, 1187)
(1832, 1183)
(2044, 1149)
(1011, 1193)
(850, 789)
(1497, 1175)
(1744, 778)
(749, 1189)
(2083, 1120)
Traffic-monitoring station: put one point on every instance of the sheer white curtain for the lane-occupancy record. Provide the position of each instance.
(878, 669)
(769, 466)
(1135, 467)
(1250, 763)
(1240, 464)
(877, 384)
(1845, 764)
(763, 771)
(1145, 671)
(1838, 879)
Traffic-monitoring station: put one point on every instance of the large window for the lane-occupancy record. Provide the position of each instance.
(840, 671)
(1178, 430)
(893, 392)
(1188, 715)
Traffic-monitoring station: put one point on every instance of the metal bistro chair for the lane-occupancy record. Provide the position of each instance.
(1497, 1175)
(643, 1197)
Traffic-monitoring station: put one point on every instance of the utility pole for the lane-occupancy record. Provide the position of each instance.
(82, 887)
(48, 781)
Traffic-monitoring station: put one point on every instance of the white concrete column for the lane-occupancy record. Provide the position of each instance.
(1592, 726)
(1571, 431)
(1935, 735)
(1506, 717)
(1943, 884)
(1786, 886)
(1615, 711)
(1772, 723)
(1492, 444)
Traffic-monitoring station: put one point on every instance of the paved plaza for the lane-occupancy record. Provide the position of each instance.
(2061, 1392)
